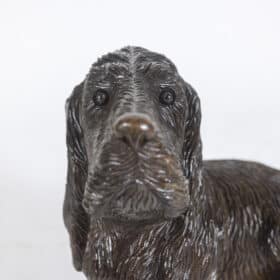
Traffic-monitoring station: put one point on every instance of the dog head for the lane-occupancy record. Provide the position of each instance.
(133, 133)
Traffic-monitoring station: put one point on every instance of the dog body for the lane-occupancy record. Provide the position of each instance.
(140, 203)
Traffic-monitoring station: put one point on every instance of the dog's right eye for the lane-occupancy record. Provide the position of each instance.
(100, 97)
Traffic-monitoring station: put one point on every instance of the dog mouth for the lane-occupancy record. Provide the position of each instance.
(150, 216)
(138, 186)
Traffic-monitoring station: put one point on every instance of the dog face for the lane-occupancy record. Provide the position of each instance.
(133, 131)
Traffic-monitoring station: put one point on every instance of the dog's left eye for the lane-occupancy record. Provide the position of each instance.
(100, 97)
(167, 96)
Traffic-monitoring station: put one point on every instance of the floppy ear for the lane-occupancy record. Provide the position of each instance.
(75, 218)
(192, 147)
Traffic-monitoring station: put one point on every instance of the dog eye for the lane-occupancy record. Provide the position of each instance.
(100, 97)
(167, 96)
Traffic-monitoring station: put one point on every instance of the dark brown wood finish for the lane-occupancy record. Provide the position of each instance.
(140, 203)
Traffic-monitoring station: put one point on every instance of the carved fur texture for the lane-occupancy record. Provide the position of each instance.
(140, 203)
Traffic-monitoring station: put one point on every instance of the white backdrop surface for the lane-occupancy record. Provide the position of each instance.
(228, 50)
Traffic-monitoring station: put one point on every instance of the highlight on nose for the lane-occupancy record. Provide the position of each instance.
(134, 129)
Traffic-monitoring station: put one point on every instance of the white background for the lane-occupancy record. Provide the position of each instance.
(228, 50)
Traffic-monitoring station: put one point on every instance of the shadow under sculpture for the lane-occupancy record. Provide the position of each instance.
(140, 203)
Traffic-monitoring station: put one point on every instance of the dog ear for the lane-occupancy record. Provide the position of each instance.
(192, 147)
(75, 218)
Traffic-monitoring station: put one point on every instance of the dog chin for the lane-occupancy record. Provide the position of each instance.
(141, 217)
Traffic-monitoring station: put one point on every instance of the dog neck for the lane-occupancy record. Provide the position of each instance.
(120, 250)
(116, 249)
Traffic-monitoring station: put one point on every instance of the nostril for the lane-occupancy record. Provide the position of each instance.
(122, 127)
(134, 129)
(147, 130)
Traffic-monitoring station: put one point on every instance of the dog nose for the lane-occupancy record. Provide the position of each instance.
(134, 129)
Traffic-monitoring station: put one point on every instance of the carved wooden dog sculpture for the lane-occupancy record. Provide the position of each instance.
(140, 203)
